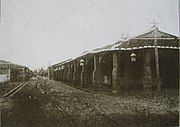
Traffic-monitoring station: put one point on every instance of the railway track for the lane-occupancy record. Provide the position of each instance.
(14, 90)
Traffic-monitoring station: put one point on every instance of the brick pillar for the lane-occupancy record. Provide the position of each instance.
(115, 74)
(75, 73)
(61, 75)
(23, 74)
(52, 73)
(84, 74)
(68, 72)
(65, 73)
(147, 79)
(97, 79)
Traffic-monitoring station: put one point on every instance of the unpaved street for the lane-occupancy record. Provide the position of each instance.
(47, 103)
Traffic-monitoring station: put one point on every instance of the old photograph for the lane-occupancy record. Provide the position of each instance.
(89, 63)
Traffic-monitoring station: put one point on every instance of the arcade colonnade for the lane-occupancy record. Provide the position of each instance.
(113, 70)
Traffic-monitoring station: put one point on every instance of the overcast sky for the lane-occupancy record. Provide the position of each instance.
(32, 32)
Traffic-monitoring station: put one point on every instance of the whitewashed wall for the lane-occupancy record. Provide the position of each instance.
(5, 76)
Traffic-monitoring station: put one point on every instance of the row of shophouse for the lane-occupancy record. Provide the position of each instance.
(126, 65)
(13, 72)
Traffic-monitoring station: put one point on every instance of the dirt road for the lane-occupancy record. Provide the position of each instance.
(47, 103)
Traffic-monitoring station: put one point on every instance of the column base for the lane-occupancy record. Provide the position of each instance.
(114, 91)
(147, 83)
(83, 78)
(97, 81)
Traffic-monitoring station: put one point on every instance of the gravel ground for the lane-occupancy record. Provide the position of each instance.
(50, 104)
(7, 86)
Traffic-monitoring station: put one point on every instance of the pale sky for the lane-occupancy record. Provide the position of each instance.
(32, 32)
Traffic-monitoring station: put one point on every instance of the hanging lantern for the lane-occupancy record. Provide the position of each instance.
(62, 67)
(133, 57)
(81, 62)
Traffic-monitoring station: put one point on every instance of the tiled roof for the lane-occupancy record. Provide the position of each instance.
(61, 63)
(150, 34)
(6, 64)
(3, 62)
(108, 47)
(145, 40)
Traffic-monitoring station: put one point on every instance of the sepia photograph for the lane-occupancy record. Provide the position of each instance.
(89, 63)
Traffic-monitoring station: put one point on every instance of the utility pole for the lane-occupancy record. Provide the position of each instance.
(0, 114)
(158, 83)
(0, 11)
(179, 15)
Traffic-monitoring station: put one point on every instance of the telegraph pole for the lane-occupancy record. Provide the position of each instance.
(0, 11)
(158, 82)
(0, 114)
(1, 99)
(179, 15)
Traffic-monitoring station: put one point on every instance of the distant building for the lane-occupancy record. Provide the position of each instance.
(13, 72)
(125, 65)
